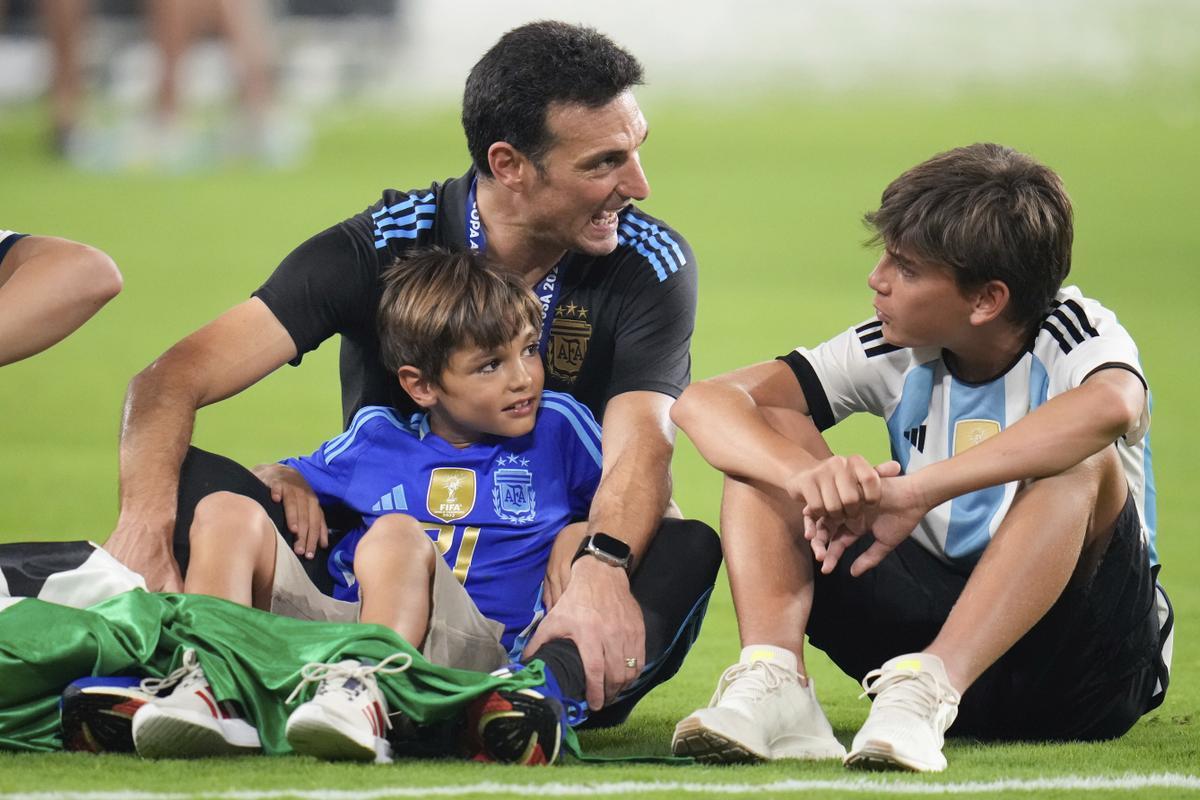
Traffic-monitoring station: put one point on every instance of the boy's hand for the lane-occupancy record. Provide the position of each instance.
(301, 508)
(891, 520)
(839, 490)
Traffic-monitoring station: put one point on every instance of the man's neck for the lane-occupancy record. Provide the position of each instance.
(989, 354)
(511, 241)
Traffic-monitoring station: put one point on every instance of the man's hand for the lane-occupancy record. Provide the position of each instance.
(598, 613)
(301, 508)
(147, 551)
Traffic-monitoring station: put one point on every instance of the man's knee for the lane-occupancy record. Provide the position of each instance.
(686, 544)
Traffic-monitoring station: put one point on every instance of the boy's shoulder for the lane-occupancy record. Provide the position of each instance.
(562, 415)
(371, 426)
(1074, 323)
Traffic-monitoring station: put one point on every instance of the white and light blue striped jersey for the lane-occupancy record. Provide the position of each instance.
(493, 508)
(931, 415)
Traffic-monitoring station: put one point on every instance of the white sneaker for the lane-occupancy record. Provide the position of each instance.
(760, 712)
(914, 706)
(348, 716)
(189, 722)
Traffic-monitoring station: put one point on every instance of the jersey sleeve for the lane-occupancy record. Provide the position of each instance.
(578, 436)
(330, 468)
(330, 283)
(1081, 337)
(655, 324)
(855, 371)
(7, 240)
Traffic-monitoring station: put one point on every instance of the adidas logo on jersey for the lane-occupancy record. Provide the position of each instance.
(392, 501)
(916, 437)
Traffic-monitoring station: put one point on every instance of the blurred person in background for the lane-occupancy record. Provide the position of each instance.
(173, 25)
(48, 288)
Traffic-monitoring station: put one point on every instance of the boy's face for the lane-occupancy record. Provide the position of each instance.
(919, 303)
(489, 392)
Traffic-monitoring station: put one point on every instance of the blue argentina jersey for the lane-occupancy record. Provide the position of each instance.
(931, 415)
(493, 508)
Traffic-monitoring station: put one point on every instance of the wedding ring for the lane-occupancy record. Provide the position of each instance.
(631, 663)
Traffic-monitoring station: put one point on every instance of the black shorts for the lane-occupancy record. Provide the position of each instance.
(1087, 670)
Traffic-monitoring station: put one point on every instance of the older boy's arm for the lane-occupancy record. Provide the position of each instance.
(724, 417)
(1060, 434)
(48, 288)
(222, 358)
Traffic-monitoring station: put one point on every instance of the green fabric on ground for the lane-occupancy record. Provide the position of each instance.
(248, 656)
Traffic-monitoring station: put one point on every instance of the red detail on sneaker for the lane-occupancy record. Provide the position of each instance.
(127, 708)
(212, 706)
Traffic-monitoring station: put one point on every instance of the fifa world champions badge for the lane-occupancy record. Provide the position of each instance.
(451, 493)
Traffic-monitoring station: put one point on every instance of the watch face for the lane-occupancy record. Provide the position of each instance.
(610, 546)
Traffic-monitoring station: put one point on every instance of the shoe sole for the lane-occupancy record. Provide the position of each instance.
(520, 727)
(707, 746)
(881, 756)
(183, 734)
(311, 732)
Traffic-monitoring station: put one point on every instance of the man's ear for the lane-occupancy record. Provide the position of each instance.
(422, 390)
(510, 167)
(989, 302)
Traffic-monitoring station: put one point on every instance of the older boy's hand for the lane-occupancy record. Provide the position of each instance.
(301, 508)
(830, 536)
(598, 613)
(838, 490)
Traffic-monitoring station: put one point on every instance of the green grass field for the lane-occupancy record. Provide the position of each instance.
(770, 193)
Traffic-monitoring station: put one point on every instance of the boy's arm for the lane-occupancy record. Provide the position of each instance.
(1063, 432)
(723, 416)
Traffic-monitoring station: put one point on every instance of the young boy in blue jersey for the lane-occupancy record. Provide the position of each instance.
(999, 575)
(461, 505)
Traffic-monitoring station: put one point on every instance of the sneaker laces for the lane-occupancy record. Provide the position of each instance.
(322, 673)
(915, 691)
(156, 685)
(751, 682)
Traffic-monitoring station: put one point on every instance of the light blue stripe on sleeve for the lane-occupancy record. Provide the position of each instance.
(342, 443)
(588, 435)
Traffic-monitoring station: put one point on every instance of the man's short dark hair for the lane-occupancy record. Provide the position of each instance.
(436, 301)
(510, 91)
(989, 213)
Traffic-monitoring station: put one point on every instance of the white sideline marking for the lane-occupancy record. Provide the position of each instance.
(854, 785)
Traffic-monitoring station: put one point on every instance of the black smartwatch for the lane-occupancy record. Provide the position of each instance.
(609, 549)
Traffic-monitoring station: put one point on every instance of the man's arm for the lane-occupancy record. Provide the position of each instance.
(596, 610)
(224, 357)
(48, 288)
(1059, 435)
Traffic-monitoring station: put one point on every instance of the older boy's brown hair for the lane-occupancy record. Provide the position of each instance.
(989, 213)
(437, 301)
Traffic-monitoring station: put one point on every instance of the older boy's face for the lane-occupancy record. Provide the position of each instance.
(489, 392)
(919, 302)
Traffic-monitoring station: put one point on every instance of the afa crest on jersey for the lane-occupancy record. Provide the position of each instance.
(570, 333)
(512, 495)
(451, 493)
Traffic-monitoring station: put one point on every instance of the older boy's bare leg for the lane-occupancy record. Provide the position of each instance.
(765, 707)
(1057, 528)
(394, 564)
(233, 545)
